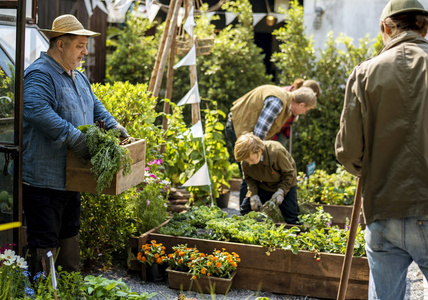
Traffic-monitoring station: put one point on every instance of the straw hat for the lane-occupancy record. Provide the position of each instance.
(67, 24)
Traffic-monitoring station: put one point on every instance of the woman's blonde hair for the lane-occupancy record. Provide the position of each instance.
(246, 145)
(305, 95)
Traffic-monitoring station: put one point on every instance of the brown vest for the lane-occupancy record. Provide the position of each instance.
(247, 109)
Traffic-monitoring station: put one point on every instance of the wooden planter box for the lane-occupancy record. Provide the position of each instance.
(80, 178)
(181, 281)
(280, 272)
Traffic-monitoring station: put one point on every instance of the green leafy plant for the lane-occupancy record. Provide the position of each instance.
(217, 157)
(107, 222)
(234, 170)
(7, 94)
(337, 188)
(103, 288)
(258, 229)
(6, 201)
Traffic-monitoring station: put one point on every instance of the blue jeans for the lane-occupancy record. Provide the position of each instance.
(391, 247)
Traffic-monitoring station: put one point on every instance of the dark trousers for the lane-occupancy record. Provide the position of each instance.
(51, 216)
(289, 207)
(231, 136)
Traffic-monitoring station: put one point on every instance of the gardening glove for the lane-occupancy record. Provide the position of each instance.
(124, 136)
(255, 203)
(79, 148)
(278, 196)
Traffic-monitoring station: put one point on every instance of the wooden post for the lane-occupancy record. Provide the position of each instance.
(162, 63)
(169, 84)
(347, 261)
(162, 45)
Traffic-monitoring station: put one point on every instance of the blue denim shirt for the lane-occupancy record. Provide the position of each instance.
(54, 106)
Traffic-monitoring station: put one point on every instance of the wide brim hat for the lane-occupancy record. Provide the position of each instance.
(395, 7)
(67, 24)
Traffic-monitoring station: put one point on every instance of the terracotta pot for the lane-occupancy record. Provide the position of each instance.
(208, 285)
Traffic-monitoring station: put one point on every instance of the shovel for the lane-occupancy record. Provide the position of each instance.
(347, 262)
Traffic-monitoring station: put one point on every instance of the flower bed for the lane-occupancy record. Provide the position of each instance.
(309, 273)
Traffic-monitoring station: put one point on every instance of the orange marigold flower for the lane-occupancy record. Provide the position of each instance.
(144, 258)
(194, 277)
(203, 271)
(209, 263)
(208, 274)
(201, 254)
(180, 261)
(181, 253)
(218, 264)
(170, 256)
(146, 252)
(153, 241)
(159, 260)
(162, 252)
(234, 264)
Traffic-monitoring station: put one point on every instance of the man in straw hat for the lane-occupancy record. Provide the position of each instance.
(57, 99)
(383, 138)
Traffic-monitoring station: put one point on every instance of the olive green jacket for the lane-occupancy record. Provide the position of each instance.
(383, 133)
(276, 170)
(247, 109)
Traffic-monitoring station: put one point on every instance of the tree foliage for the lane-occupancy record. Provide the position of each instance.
(314, 134)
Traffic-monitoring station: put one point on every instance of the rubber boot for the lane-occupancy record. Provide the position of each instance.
(38, 261)
(68, 255)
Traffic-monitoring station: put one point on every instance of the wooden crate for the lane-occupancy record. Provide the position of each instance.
(80, 178)
(280, 272)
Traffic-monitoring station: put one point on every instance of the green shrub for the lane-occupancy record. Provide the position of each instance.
(323, 188)
(7, 95)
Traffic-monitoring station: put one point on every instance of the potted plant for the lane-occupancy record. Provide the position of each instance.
(206, 273)
(154, 259)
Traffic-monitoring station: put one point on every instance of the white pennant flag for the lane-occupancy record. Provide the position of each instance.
(181, 14)
(192, 96)
(189, 59)
(52, 264)
(153, 11)
(189, 25)
(257, 17)
(201, 177)
(197, 130)
(98, 3)
(230, 17)
(210, 15)
(88, 7)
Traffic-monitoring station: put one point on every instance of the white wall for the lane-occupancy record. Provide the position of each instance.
(355, 18)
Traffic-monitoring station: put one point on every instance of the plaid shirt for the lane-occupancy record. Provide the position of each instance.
(271, 110)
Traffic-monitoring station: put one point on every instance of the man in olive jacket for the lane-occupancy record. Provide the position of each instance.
(383, 138)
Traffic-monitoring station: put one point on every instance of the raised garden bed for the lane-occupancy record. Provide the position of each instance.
(280, 271)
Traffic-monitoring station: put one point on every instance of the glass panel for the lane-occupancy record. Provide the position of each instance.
(7, 99)
(12, 12)
(35, 42)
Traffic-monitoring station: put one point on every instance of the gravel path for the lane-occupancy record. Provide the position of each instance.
(414, 289)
